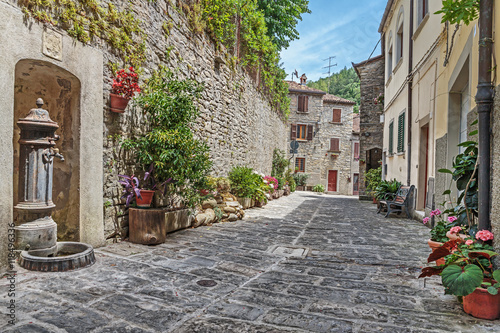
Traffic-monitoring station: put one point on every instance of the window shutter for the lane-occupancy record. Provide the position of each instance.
(337, 116)
(306, 103)
(300, 104)
(309, 132)
(391, 138)
(335, 144)
(356, 149)
(293, 132)
(401, 132)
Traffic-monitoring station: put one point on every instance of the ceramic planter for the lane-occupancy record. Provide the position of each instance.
(481, 304)
(434, 245)
(245, 202)
(118, 103)
(455, 236)
(146, 198)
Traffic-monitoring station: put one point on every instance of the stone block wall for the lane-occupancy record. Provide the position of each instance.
(236, 120)
(372, 75)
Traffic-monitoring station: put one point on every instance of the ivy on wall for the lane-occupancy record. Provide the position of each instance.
(87, 20)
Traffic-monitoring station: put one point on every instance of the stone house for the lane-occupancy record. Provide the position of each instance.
(328, 150)
(371, 73)
(429, 101)
(74, 79)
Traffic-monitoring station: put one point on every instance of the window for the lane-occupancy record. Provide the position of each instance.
(337, 116)
(391, 137)
(301, 132)
(423, 9)
(303, 104)
(300, 164)
(335, 144)
(389, 62)
(399, 37)
(401, 132)
(356, 150)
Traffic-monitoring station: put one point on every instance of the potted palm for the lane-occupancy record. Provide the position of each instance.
(125, 85)
(468, 273)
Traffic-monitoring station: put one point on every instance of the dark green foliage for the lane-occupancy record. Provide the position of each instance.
(345, 84)
(281, 19)
(373, 178)
(438, 233)
(457, 11)
(281, 182)
(300, 179)
(247, 184)
(291, 181)
(169, 144)
(280, 163)
(319, 188)
(386, 186)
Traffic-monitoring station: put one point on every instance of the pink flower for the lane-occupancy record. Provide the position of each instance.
(484, 235)
(426, 220)
(452, 219)
(455, 230)
(469, 242)
(436, 212)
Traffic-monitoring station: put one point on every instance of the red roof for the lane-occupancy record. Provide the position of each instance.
(328, 98)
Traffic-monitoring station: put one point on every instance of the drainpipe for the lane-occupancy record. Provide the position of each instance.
(484, 101)
(410, 91)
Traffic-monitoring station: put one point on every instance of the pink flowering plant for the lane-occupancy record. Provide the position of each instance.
(273, 182)
(125, 83)
(441, 227)
(468, 265)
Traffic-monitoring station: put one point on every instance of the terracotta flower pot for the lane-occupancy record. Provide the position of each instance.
(146, 198)
(455, 236)
(434, 245)
(118, 103)
(481, 304)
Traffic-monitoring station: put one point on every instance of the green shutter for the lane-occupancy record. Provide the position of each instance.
(401, 132)
(391, 138)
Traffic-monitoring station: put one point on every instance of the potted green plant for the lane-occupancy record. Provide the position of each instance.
(373, 179)
(319, 188)
(438, 232)
(468, 273)
(125, 85)
(385, 187)
(300, 180)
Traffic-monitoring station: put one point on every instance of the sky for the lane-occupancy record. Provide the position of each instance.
(346, 29)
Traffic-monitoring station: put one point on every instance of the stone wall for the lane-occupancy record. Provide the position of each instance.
(495, 173)
(372, 75)
(318, 158)
(235, 120)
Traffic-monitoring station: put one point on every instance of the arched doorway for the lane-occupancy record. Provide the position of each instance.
(60, 91)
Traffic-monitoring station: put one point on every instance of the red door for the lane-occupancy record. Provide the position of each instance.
(355, 184)
(332, 180)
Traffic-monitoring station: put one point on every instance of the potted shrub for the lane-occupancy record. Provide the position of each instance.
(300, 180)
(125, 85)
(319, 189)
(438, 232)
(386, 187)
(373, 179)
(143, 195)
(468, 272)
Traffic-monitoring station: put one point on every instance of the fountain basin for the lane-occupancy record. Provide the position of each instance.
(69, 256)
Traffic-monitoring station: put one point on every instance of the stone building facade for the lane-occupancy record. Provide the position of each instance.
(322, 124)
(372, 75)
(74, 79)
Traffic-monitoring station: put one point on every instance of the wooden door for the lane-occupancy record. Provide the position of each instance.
(355, 184)
(332, 180)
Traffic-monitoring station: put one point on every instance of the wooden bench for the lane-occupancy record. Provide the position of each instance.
(395, 202)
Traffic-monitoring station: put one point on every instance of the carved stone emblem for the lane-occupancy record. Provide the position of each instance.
(52, 44)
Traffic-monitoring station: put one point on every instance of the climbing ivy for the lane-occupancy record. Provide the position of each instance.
(87, 20)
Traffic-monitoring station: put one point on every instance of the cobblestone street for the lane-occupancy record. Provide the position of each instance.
(303, 263)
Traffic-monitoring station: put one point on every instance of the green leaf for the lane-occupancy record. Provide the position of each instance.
(474, 122)
(496, 275)
(492, 290)
(467, 144)
(447, 192)
(462, 281)
(445, 171)
(473, 132)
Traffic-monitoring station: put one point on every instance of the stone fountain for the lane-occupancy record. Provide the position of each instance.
(36, 232)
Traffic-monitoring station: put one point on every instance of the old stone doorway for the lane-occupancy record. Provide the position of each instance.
(373, 158)
(60, 91)
(332, 180)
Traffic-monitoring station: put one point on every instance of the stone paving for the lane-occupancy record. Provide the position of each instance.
(337, 266)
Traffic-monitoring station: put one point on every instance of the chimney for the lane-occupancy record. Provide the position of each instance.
(303, 79)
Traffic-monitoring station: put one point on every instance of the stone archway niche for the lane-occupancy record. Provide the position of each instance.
(60, 91)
